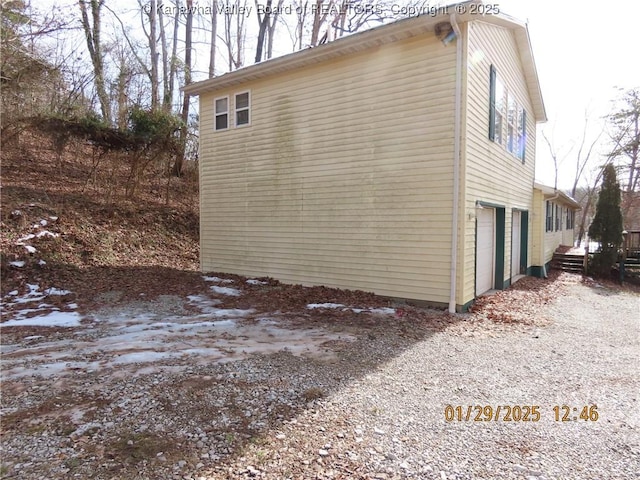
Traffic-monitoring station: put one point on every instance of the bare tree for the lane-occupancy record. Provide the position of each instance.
(584, 155)
(214, 36)
(151, 14)
(92, 34)
(625, 124)
(263, 23)
(234, 33)
(184, 115)
(173, 64)
(271, 28)
(554, 157)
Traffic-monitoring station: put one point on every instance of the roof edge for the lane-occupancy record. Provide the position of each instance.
(551, 192)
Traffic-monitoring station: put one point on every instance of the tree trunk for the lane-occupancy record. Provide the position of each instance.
(263, 23)
(166, 95)
(153, 51)
(174, 51)
(177, 166)
(214, 34)
(92, 34)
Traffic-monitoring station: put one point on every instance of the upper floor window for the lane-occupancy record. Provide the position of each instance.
(243, 108)
(221, 107)
(507, 119)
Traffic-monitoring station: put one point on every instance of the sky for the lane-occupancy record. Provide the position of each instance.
(584, 51)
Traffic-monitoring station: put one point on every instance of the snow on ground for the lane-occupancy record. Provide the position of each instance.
(253, 281)
(140, 341)
(217, 279)
(54, 318)
(233, 292)
(312, 306)
(379, 311)
(30, 311)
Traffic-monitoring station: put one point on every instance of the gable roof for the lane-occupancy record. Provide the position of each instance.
(552, 192)
(399, 30)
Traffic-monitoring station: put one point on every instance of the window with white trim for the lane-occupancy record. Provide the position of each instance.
(243, 108)
(549, 217)
(221, 108)
(570, 219)
(507, 119)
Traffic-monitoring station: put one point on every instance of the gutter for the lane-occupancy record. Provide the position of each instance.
(456, 165)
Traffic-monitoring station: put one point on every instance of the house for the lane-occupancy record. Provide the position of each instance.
(554, 214)
(399, 160)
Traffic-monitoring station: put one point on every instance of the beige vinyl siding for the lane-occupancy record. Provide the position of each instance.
(342, 179)
(492, 174)
(539, 227)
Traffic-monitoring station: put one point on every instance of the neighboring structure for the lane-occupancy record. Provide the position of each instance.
(399, 160)
(554, 214)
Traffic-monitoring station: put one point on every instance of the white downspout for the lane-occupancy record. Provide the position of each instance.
(456, 166)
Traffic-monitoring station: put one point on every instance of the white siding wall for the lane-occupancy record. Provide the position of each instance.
(343, 178)
(539, 226)
(492, 174)
(545, 243)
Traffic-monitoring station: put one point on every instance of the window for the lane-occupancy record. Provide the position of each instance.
(521, 136)
(221, 106)
(549, 217)
(558, 218)
(242, 109)
(512, 122)
(507, 119)
(570, 219)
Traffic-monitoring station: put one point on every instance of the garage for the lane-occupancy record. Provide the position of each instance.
(485, 250)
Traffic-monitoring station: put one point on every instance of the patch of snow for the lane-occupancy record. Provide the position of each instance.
(53, 218)
(72, 306)
(311, 306)
(217, 279)
(205, 304)
(144, 357)
(53, 319)
(25, 238)
(56, 291)
(30, 249)
(134, 342)
(379, 311)
(33, 337)
(17, 263)
(12, 293)
(44, 223)
(231, 312)
(233, 292)
(16, 213)
(253, 281)
(41, 262)
(47, 233)
(383, 311)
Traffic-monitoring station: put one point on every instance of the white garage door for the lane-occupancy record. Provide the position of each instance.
(485, 250)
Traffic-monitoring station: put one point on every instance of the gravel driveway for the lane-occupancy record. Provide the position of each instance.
(392, 421)
(375, 409)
